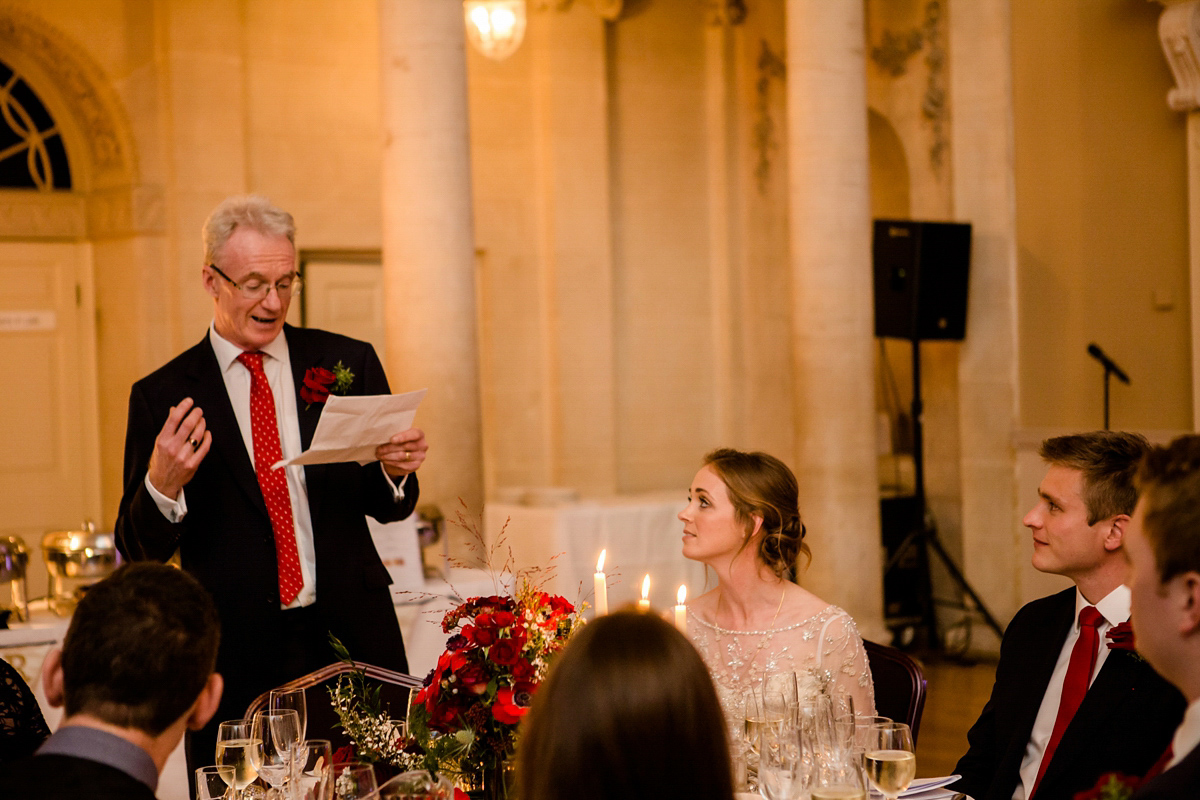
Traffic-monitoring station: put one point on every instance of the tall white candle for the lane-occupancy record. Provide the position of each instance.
(681, 609)
(600, 582)
(644, 603)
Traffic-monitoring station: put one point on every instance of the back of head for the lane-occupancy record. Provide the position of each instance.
(1169, 480)
(759, 484)
(140, 648)
(627, 712)
(1108, 461)
(244, 211)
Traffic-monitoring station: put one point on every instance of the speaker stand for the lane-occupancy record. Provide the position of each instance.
(924, 532)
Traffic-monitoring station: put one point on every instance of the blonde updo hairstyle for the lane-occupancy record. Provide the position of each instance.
(761, 485)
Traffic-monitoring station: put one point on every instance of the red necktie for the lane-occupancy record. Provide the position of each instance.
(1075, 685)
(264, 433)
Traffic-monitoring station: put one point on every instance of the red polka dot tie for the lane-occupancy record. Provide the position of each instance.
(264, 432)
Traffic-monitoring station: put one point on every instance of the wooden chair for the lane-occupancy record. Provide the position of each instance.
(899, 684)
(322, 719)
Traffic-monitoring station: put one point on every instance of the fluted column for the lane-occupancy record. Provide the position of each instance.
(1179, 30)
(428, 244)
(832, 312)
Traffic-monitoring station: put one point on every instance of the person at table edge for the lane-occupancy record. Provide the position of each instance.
(286, 554)
(1069, 703)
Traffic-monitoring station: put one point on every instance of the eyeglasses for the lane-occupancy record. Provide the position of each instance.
(255, 289)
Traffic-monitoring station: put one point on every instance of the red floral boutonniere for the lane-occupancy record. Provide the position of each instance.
(1120, 637)
(319, 383)
(1111, 786)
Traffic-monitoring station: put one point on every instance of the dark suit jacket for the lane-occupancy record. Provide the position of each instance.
(1124, 724)
(1180, 782)
(59, 777)
(226, 539)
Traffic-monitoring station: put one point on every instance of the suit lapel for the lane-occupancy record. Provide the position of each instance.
(208, 390)
(304, 357)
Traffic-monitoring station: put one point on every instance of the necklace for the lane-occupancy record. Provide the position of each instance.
(766, 637)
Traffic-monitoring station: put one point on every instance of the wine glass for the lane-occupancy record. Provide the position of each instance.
(758, 713)
(839, 776)
(312, 771)
(235, 740)
(283, 699)
(213, 783)
(275, 736)
(781, 774)
(889, 758)
(419, 785)
(354, 782)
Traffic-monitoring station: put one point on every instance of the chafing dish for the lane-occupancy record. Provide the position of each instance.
(74, 561)
(14, 559)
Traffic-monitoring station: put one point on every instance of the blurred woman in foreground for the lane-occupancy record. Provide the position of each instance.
(628, 712)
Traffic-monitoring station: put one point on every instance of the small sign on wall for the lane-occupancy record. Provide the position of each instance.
(21, 321)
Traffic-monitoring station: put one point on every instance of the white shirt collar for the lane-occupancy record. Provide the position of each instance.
(1114, 607)
(1187, 735)
(227, 352)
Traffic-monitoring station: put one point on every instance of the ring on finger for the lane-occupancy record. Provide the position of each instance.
(405, 455)
(195, 445)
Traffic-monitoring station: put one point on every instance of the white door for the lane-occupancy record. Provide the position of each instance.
(346, 298)
(49, 440)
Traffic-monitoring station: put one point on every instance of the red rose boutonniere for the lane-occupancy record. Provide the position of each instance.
(319, 383)
(1111, 786)
(1120, 637)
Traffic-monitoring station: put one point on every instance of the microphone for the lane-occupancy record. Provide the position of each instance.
(1095, 352)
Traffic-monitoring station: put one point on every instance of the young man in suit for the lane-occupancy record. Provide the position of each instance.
(1069, 704)
(135, 670)
(286, 553)
(1163, 548)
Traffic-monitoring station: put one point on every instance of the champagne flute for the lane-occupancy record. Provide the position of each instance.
(213, 783)
(889, 758)
(757, 714)
(283, 699)
(781, 771)
(275, 736)
(354, 782)
(235, 740)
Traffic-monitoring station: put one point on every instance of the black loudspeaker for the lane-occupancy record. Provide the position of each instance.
(921, 279)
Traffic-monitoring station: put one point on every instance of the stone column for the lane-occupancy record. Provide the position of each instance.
(832, 311)
(428, 244)
(1177, 28)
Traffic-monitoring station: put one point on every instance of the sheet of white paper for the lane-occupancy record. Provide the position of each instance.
(351, 428)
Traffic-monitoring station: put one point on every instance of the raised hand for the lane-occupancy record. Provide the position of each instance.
(404, 453)
(179, 448)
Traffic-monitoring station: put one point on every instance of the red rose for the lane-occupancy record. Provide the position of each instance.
(523, 670)
(505, 652)
(345, 755)
(506, 709)
(317, 383)
(1121, 637)
(503, 619)
(480, 636)
(474, 678)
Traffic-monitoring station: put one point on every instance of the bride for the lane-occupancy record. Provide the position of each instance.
(743, 520)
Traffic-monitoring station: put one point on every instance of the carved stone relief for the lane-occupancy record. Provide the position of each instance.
(42, 215)
(1179, 31)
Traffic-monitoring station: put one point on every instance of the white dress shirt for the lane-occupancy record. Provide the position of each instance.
(277, 366)
(1187, 735)
(1115, 610)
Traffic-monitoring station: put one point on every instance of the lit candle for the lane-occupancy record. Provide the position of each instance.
(644, 603)
(681, 609)
(601, 585)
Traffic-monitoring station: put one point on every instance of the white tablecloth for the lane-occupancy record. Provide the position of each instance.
(640, 532)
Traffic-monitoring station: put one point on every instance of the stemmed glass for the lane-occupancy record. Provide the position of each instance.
(283, 699)
(312, 771)
(354, 782)
(213, 783)
(781, 773)
(275, 736)
(889, 758)
(235, 740)
(839, 776)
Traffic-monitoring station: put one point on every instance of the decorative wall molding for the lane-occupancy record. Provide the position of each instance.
(42, 215)
(892, 54)
(126, 211)
(771, 67)
(607, 9)
(82, 84)
(726, 12)
(1179, 32)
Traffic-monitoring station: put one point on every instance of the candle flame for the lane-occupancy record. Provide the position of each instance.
(646, 587)
(600, 561)
(681, 595)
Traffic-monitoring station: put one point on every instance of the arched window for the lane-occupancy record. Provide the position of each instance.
(32, 155)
